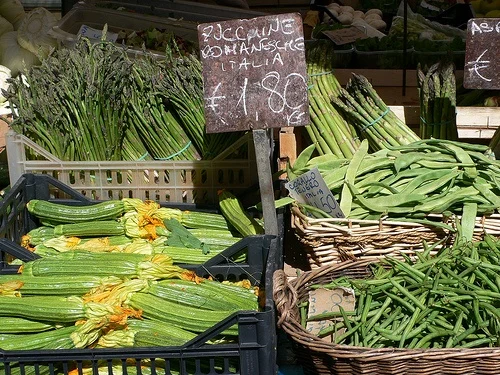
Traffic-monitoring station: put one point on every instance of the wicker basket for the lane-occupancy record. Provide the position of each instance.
(321, 357)
(331, 240)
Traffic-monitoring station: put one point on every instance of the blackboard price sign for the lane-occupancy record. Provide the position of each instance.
(482, 60)
(254, 73)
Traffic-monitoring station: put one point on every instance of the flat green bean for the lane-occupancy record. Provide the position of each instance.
(350, 176)
(443, 203)
(376, 176)
(384, 186)
(326, 158)
(406, 160)
(488, 194)
(463, 157)
(428, 175)
(373, 207)
(462, 145)
(431, 164)
(394, 200)
(431, 187)
(481, 157)
(304, 157)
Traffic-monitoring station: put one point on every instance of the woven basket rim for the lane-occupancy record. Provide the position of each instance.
(307, 221)
(285, 292)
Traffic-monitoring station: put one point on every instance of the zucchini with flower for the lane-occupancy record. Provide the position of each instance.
(114, 300)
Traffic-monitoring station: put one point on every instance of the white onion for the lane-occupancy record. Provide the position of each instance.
(12, 11)
(13, 56)
(33, 32)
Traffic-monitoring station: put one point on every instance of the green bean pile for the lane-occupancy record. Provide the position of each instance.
(443, 301)
(409, 182)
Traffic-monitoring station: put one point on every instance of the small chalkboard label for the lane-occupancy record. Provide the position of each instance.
(310, 188)
(254, 73)
(482, 59)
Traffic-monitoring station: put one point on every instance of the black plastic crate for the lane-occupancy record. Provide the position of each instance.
(253, 354)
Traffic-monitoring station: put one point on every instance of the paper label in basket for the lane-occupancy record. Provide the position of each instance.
(310, 188)
(345, 35)
(95, 34)
(323, 301)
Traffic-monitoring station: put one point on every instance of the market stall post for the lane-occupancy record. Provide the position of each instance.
(255, 78)
(262, 141)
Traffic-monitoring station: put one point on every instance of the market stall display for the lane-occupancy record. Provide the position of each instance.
(109, 121)
(91, 20)
(181, 10)
(395, 198)
(124, 117)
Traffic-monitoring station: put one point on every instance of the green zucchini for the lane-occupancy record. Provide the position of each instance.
(91, 229)
(64, 213)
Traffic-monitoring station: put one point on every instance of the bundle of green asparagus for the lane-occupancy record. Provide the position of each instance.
(437, 91)
(96, 102)
(328, 130)
(373, 119)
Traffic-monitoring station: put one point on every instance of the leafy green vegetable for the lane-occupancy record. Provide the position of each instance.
(382, 53)
(386, 43)
(180, 237)
(428, 45)
(421, 28)
(154, 39)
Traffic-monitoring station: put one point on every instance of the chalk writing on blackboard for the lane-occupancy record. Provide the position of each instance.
(479, 64)
(481, 56)
(254, 73)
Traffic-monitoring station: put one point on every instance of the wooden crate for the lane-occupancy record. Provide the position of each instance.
(474, 123)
